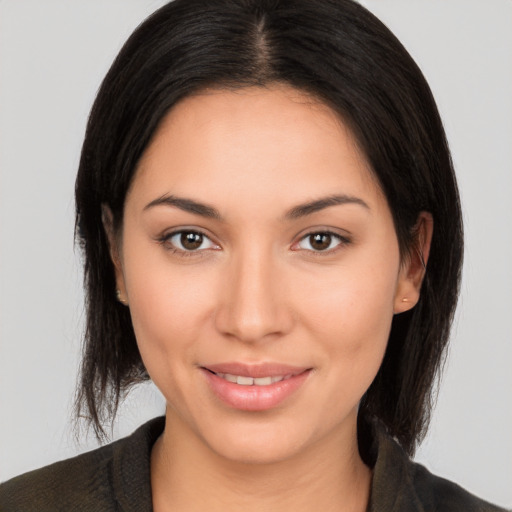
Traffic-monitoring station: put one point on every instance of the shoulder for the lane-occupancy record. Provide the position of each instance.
(399, 484)
(68, 485)
(436, 493)
(102, 479)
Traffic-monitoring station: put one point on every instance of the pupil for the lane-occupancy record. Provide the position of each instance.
(320, 241)
(191, 241)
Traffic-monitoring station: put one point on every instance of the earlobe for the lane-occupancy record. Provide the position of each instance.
(414, 268)
(107, 219)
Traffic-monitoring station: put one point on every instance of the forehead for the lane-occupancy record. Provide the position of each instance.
(278, 142)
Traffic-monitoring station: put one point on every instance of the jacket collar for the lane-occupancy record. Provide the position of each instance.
(131, 473)
(392, 487)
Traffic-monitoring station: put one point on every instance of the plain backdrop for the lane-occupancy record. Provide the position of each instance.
(53, 55)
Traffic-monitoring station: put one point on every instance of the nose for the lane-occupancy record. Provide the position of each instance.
(253, 305)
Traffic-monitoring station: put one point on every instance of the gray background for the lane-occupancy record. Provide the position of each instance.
(53, 55)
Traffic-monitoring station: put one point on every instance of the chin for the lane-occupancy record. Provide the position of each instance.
(263, 451)
(262, 440)
(278, 445)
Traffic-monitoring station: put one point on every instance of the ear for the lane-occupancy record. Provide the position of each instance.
(107, 219)
(413, 268)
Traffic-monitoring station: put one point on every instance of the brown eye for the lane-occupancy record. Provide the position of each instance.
(320, 241)
(188, 241)
(191, 241)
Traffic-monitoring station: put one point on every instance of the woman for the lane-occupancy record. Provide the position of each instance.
(264, 198)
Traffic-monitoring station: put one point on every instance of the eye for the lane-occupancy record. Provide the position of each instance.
(188, 241)
(322, 241)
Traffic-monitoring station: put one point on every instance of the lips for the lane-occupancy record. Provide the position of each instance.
(254, 387)
(252, 381)
(255, 370)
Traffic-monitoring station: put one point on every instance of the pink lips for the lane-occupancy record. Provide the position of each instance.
(254, 397)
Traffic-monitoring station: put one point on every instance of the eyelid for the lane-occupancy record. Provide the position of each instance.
(344, 240)
(168, 235)
(165, 238)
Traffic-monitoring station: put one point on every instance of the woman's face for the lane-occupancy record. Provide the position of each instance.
(261, 266)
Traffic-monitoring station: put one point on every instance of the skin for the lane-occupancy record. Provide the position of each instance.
(257, 290)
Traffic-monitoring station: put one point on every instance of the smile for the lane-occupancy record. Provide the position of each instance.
(250, 381)
(255, 387)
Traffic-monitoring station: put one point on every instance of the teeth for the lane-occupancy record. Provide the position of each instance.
(250, 381)
(245, 381)
(263, 381)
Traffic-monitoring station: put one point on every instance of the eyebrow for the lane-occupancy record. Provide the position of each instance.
(301, 210)
(187, 205)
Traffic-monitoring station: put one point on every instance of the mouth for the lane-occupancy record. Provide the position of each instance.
(254, 387)
(241, 380)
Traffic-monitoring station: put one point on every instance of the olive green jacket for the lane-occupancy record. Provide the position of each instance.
(116, 478)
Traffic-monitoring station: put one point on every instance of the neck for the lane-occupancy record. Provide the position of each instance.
(187, 475)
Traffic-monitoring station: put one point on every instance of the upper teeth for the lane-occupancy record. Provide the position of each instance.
(250, 381)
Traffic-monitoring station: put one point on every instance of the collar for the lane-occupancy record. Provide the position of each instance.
(132, 465)
(392, 487)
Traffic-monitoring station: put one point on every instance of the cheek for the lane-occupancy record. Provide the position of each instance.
(355, 303)
(169, 309)
(350, 315)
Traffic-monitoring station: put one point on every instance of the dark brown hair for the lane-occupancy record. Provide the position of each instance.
(341, 54)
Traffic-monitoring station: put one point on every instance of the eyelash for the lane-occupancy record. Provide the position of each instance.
(165, 241)
(344, 241)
